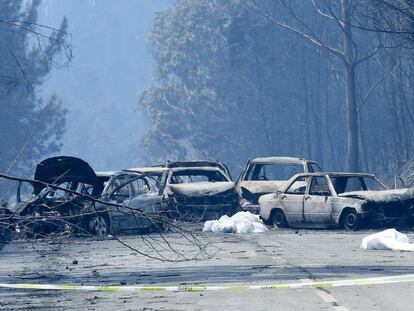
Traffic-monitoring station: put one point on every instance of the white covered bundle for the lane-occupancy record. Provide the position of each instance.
(389, 239)
(242, 222)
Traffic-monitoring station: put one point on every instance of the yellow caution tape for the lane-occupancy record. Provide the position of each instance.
(406, 278)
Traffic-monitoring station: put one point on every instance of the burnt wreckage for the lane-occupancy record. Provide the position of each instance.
(67, 194)
(344, 200)
(47, 209)
(141, 210)
(267, 175)
(195, 190)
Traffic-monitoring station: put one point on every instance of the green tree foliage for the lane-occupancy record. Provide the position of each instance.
(231, 85)
(30, 128)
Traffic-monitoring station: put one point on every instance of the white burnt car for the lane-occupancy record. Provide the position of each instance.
(267, 175)
(342, 200)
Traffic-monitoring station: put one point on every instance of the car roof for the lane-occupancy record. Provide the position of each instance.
(185, 163)
(275, 160)
(148, 169)
(112, 173)
(196, 168)
(336, 174)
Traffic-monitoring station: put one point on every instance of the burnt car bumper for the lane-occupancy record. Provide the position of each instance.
(391, 213)
(188, 210)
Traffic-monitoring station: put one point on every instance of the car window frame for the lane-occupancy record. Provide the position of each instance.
(327, 182)
(171, 172)
(295, 180)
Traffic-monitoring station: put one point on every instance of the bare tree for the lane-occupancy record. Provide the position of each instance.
(394, 18)
(339, 16)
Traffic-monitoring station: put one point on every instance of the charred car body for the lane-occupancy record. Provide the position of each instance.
(48, 209)
(195, 190)
(337, 200)
(84, 201)
(267, 175)
(141, 210)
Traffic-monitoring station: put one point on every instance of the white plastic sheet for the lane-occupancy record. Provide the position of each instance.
(389, 239)
(242, 222)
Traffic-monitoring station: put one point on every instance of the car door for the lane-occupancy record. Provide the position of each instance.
(119, 192)
(292, 200)
(318, 202)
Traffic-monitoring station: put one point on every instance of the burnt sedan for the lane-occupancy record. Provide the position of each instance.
(130, 203)
(67, 195)
(194, 193)
(342, 200)
(40, 209)
(267, 175)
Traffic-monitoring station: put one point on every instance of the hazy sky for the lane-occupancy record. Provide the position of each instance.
(100, 88)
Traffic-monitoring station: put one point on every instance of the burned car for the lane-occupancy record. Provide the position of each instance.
(199, 163)
(343, 200)
(192, 192)
(141, 210)
(267, 175)
(82, 201)
(48, 209)
(156, 172)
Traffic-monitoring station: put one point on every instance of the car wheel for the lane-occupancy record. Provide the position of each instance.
(350, 220)
(279, 219)
(99, 226)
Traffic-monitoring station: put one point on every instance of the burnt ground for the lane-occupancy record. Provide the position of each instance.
(275, 257)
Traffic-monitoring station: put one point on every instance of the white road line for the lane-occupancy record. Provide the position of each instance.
(327, 297)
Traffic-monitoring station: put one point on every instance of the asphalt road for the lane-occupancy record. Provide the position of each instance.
(278, 256)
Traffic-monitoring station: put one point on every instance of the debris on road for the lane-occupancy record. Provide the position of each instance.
(241, 222)
(389, 239)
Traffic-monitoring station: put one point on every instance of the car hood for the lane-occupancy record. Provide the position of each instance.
(381, 196)
(201, 189)
(61, 169)
(263, 186)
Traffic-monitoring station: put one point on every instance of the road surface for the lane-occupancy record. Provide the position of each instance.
(279, 256)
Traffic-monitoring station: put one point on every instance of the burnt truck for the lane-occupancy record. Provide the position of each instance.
(195, 190)
(267, 175)
(344, 200)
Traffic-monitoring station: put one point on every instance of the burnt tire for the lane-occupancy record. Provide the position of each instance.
(279, 219)
(99, 226)
(350, 220)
